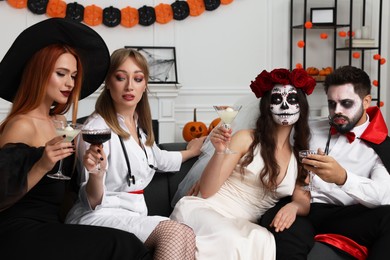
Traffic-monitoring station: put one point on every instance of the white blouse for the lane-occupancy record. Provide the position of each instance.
(120, 209)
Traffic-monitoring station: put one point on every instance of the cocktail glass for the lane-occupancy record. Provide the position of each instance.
(227, 115)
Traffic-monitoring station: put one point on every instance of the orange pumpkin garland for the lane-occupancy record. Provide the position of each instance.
(129, 16)
(164, 13)
(226, 2)
(197, 7)
(19, 4)
(56, 8)
(93, 15)
(194, 129)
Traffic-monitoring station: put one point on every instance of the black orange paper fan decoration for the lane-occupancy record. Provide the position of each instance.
(197, 7)
(75, 12)
(147, 16)
(37, 6)
(181, 10)
(164, 13)
(211, 5)
(93, 15)
(111, 16)
(56, 8)
(19, 4)
(129, 16)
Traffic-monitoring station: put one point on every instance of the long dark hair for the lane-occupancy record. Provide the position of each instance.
(265, 135)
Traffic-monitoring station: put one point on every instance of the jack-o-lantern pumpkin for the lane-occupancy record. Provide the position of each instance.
(147, 15)
(213, 124)
(19, 4)
(194, 129)
(56, 8)
(37, 6)
(164, 13)
(93, 15)
(211, 5)
(111, 16)
(129, 17)
(197, 7)
(181, 10)
(75, 12)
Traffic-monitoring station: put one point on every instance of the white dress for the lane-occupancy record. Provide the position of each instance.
(225, 223)
(119, 208)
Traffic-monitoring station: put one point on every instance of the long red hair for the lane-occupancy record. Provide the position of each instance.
(34, 83)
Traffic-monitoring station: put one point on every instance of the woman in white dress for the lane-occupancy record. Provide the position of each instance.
(236, 189)
(114, 196)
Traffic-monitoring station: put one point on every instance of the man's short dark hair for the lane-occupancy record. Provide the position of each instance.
(349, 74)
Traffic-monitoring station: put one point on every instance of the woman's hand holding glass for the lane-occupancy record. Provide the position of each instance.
(55, 150)
(94, 159)
(220, 138)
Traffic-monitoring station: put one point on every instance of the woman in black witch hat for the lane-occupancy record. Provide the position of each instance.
(49, 67)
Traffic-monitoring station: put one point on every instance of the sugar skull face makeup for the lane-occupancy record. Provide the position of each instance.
(284, 104)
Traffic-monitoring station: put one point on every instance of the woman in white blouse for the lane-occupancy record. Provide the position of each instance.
(113, 197)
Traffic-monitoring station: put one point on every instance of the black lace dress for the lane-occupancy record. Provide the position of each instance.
(30, 225)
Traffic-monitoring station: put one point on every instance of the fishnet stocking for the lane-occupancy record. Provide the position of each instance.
(171, 240)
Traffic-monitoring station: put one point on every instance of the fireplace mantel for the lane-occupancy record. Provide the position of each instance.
(162, 102)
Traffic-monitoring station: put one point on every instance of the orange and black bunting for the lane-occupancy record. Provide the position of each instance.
(111, 16)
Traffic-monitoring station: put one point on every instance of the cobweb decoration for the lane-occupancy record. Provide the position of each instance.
(160, 66)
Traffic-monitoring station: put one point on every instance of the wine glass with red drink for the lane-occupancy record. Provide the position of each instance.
(96, 136)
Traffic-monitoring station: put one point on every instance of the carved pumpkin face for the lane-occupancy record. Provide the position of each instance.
(37, 6)
(129, 17)
(211, 5)
(75, 12)
(181, 10)
(147, 16)
(111, 16)
(194, 129)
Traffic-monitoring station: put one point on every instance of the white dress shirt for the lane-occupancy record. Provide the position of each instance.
(368, 181)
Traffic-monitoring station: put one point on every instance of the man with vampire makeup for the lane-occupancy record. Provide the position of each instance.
(350, 198)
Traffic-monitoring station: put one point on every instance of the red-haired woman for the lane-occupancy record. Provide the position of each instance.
(48, 68)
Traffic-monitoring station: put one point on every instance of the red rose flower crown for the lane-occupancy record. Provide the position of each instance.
(298, 78)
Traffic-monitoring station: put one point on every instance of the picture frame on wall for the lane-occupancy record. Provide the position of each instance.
(322, 16)
(162, 63)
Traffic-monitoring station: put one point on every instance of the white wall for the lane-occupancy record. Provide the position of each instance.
(218, 53)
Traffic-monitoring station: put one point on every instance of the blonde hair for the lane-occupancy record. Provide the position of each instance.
(105, 105)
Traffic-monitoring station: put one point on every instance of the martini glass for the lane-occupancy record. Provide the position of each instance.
(70, 130)
(304, 154)
(96, 136)
(227, 115)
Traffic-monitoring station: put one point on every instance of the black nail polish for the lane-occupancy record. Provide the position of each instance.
(98, 150)
(63, 136)
(101, 159)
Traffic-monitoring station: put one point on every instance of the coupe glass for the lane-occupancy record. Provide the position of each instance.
(96, 136)
(304, 154)
(227, 115)
(70, 130)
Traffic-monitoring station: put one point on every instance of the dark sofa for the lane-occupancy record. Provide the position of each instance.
(161, 190)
